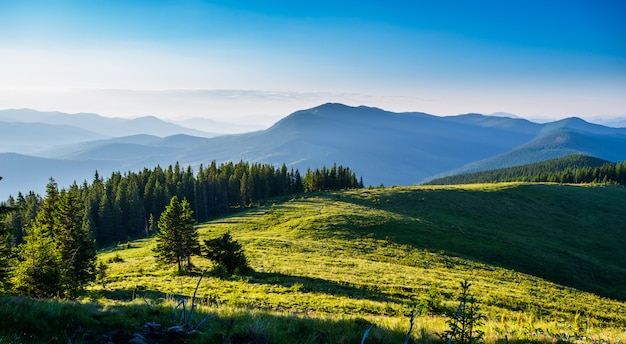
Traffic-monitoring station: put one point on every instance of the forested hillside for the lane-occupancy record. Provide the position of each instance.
(545, 263)
(128, 205)
(575, 168)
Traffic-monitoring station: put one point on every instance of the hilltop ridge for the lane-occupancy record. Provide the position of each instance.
(387, 148)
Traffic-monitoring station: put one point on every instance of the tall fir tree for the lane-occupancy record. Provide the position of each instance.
(37, 271)
(191, 242)
(5, 210)
(58, 255)
(177, 239)
(73, 228)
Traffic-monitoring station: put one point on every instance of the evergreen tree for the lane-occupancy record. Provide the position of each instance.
(38, 269)
(5, 210)
(152, 225)
(226, 253)
(58, 256)
(177, 238)
(77, 249)
(191, 243)
(463, 325)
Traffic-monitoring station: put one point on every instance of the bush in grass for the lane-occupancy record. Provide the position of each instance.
(227, 254)
(431, 303)
(463, 326)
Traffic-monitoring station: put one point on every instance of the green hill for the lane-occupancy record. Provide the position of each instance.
(573, 168)
(546, 263)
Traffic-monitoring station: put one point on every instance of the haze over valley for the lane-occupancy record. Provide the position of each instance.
(385, 148)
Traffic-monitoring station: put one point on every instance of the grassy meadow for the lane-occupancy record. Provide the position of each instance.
(546, 263)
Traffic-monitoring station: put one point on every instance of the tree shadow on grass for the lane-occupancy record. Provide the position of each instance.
(28, 320)
(128, 295)
(502, 229)
(51, 321)
(317, 285)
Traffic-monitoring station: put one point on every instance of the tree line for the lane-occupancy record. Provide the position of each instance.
(48, 244)
(128, 205)
(571, 169)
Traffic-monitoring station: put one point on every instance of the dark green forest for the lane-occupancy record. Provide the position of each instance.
(128, 205)
(572, 169)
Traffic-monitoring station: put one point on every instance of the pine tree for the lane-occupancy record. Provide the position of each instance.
(58, 255)
(191, 242)
(177, 239)
(73, 228)
(226, 253)
(38, 269)
(38, 272)
(5, 210)
(463, 326)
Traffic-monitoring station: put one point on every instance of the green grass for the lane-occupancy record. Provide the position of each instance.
(328, 265)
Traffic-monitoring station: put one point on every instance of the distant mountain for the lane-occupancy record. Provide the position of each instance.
(212, 126)
(104, 126)
(31, 138)
(27, 173)
(383, 147)
(386, 148)
(615, 123)
(503, 114)
(556, 139)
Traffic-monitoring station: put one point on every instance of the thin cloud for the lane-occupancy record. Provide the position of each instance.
(257, 107)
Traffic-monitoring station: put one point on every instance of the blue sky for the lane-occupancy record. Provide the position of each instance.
(257, 61)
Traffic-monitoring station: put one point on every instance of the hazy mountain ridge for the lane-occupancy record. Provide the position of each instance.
(27, 173)
(211, 126)
(384, 147)
(619, 122)
(105, 126)
(557, 139)
(26, 138)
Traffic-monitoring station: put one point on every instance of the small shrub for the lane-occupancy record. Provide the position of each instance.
(220, 271)
(227, 253)
(101, 273)
(431, 303)
(116, 259)
(253, 333)
(463, 326)
(297, 287)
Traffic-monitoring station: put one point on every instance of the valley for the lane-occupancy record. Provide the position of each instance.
(385, 148)
(544, 261)
(332, 261)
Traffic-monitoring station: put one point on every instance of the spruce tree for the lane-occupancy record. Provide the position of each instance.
(37, 271)
(226, 253)
(5, 210)
(191, 242)
(77, 249)
(177, 239)
(58, 255)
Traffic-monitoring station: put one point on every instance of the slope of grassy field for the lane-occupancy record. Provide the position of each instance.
(545, 261)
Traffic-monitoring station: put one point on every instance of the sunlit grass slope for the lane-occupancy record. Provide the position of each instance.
(376, 252)
(327, 265)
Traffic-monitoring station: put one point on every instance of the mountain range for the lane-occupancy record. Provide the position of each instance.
(383, 147)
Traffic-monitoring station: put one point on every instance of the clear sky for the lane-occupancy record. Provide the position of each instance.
(255, 62)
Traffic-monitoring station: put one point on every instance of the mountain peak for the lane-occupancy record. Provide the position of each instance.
(328, 107)
(578, 124)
